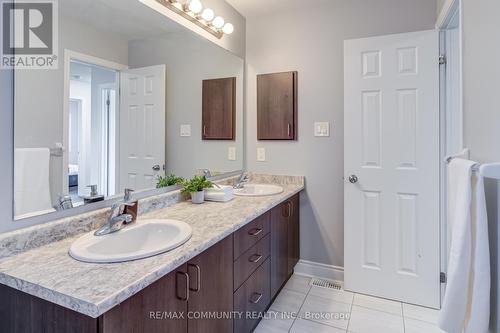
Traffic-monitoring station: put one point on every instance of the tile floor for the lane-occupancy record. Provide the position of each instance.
(345, 312)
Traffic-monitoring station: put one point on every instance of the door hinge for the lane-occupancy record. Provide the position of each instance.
(442, 277)
(442, 59)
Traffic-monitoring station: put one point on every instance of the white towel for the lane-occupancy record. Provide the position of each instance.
(31, 181)
(466, 301)
(219, 194)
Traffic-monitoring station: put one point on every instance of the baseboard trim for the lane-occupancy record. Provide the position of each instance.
(316, 269)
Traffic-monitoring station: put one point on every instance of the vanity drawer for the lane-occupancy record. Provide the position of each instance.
(253, 297)
(250, 234)
(249, 261)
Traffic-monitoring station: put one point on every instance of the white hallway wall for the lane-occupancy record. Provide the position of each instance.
(310, 40)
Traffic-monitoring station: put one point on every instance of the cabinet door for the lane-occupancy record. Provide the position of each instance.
(293, 232)
(277, 106)
(279, 247)
(161, 307)
(211, 285)
(219, 109)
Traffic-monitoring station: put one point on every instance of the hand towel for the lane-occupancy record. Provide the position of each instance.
(31, 181)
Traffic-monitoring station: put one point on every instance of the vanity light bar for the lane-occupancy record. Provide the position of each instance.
(205, 18)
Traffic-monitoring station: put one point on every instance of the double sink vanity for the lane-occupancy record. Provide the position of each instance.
(214, 267)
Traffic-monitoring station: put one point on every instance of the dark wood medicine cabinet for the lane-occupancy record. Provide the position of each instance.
(277, 106)
(219, 109)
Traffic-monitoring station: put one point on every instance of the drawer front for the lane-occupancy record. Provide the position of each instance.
(253, 296)
(250, 234)
(249, 261)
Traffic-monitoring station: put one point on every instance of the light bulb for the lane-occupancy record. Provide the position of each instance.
(195, 6)
(218, 22)
(208, 14)
(228, 28)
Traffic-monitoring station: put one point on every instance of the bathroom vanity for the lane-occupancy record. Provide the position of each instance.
(239, 257)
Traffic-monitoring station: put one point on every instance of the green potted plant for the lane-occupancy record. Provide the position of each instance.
(195, 186)
(170, 180)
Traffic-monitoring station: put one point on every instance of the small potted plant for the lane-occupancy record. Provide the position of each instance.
(170, 180)
(195, 186)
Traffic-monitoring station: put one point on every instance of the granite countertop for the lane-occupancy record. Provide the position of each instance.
(48, 272)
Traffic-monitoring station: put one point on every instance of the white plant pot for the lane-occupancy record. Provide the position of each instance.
(198, 197)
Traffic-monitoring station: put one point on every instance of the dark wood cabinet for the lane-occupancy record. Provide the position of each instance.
(211, 286)
(219, 109)
(154, 309)
(277, 106)
(253, 297)
(284, 242)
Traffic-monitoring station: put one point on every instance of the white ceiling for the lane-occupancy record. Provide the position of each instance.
(251, 8)
(129, 18)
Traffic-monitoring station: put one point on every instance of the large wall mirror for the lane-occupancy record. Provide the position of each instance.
(125, 107)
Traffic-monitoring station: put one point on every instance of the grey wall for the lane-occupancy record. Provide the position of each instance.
(189, 60)
(481, 51)
(310, 40)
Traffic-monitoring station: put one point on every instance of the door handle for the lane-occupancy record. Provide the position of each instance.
(186, 276)
(156, 167)
(198, 278)
(353, 179)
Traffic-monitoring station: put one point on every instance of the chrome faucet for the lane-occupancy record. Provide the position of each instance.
(207, 173)
(241, 181)
(117, 219)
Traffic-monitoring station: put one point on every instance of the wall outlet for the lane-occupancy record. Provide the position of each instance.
(261, 154)
(231, 153)
(322, 129)
(185, 130)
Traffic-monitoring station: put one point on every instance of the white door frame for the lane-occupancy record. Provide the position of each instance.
(449, 118)
(70, 55)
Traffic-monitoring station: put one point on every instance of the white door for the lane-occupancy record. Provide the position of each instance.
(391, 156)
(142, 127)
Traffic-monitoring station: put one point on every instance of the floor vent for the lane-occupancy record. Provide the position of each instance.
(326, 284)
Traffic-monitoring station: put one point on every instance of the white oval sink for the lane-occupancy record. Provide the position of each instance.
(258, 190)
(143, 239)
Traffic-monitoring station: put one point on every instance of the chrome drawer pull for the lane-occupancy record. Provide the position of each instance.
(256, 297)
(255, 258)
(255, 232)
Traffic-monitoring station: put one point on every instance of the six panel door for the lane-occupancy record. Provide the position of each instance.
(392, 166)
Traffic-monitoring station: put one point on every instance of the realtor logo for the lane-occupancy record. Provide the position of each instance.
(29, 34)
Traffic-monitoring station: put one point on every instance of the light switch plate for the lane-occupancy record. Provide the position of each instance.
(322, 129)
(185, 130)
(261, 154)
(231, 153)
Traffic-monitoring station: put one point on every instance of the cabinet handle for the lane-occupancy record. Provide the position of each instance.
(290, 209)
(255, 258)
(204, 130)
(256, 297)
(198, 278)
(187, 286)
(255, 232)
(289, 129)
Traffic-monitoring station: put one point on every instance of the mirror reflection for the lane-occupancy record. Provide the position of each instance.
(136, 100)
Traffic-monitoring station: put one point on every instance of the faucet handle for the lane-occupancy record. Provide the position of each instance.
(128, 194)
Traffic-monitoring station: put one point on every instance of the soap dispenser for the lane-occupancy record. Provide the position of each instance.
(132, 210)
(94, 195)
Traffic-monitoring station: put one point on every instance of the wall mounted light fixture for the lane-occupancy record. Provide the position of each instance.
(205, 18)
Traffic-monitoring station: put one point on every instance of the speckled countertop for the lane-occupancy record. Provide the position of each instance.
(50, 273)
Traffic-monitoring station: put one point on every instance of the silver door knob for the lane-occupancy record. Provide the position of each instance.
(156, 167)
(353, 179)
